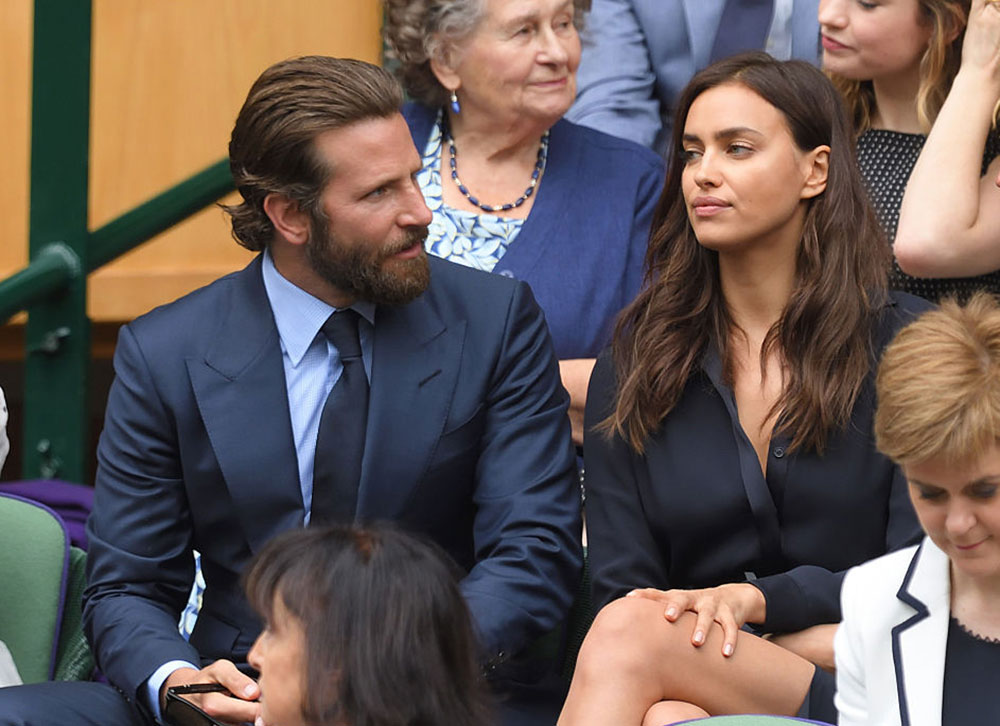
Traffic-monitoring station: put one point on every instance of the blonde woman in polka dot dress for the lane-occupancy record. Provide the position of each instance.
(900, 67)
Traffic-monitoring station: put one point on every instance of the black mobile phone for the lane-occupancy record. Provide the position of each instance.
(181, 712)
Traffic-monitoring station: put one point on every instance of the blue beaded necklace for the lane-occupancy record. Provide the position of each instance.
(543, 152)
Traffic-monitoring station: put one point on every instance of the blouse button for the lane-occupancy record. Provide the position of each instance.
(778, 452)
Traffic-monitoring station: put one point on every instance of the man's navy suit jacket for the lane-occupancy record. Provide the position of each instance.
(467, 442)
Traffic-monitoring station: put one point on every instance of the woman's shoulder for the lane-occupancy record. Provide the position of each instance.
(878, 580)
(900, 309)
(905, 304)
(885, 567)
(420, 119)
(603, 378)
(598, 147)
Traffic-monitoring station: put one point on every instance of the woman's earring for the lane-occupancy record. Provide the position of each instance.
(455, 107)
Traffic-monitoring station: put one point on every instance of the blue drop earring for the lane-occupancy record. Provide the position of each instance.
(455, 107)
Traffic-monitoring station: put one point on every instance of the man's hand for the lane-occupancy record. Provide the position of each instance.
(729, 605)
(239, 708)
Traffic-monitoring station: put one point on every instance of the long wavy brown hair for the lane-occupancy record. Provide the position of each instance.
(938, 67)
(824, 336)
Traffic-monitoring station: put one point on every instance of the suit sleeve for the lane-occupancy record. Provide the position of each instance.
(616, 80)
(527, 530)
(140, 565)
(852, 698)
(622, 551)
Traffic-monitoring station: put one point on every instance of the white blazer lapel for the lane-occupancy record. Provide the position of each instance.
(919, 643)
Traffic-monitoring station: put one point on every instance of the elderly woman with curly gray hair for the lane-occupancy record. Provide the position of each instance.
(515, 189)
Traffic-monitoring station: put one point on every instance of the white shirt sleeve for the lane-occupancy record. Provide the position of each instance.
(155, 682)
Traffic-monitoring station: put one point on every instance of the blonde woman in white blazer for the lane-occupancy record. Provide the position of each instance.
(892, 640)
(919, 644)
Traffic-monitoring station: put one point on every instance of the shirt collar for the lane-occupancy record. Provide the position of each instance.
(297, 314)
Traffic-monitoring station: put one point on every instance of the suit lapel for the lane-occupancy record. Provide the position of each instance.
(919, 643)
(702, 25)
(805, 32)
(241, 394)
(414, 372)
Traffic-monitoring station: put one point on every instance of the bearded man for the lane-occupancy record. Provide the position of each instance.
(342, 376)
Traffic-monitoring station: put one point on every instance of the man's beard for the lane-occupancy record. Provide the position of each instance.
(370, 274)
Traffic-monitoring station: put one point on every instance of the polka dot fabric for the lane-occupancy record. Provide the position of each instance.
(886, 159)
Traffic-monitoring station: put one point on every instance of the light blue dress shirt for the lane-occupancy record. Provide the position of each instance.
(312, 368)
(779, 36)
(312, 364)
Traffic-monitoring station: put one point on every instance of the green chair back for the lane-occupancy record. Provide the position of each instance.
(35, 571)
(74, 659)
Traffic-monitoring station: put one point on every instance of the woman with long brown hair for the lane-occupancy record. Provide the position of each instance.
(729, 451)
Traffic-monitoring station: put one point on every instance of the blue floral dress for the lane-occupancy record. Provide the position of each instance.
(472, 239)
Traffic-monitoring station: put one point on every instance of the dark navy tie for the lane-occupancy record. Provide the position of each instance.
(744, 26)
(340, 442)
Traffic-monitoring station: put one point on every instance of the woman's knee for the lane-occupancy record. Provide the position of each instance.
(628, 633)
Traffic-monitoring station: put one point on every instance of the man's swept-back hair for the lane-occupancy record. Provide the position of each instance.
(272, 148)
(824, 336)
(938, 385)
(388, 637)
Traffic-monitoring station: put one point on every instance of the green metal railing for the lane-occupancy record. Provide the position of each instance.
(62, 251)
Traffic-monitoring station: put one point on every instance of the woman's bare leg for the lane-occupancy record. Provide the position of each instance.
(668, 712)
(633, 658)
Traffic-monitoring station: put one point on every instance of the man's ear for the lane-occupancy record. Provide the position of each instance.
(817, 170)
(290, 222)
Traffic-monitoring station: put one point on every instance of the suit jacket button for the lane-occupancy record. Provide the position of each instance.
(778, 452)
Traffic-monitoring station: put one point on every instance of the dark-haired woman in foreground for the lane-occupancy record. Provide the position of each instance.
(363, 627)
(729, 450)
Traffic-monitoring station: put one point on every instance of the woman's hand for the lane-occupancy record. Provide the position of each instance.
(729, 605)
(950, 213)
(981, 44)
